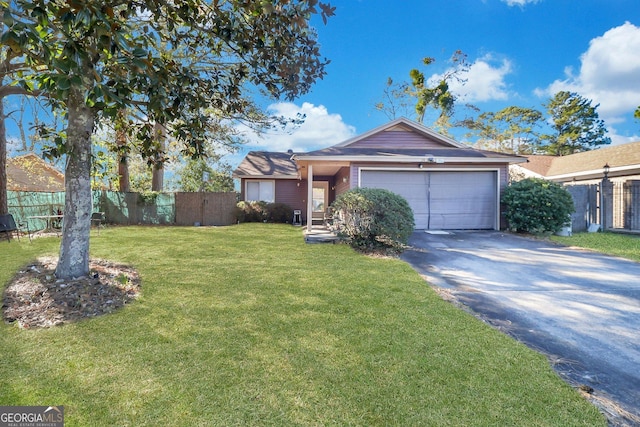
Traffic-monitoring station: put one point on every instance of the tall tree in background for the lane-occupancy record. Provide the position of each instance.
(205, 174)
(576, 124)
(209, 172)
(510, 130)
(122, 148)
(157, 164)
(396, 101)
(90, 62)
(437, 94)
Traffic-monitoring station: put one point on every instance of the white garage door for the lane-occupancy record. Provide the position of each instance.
(443, 200)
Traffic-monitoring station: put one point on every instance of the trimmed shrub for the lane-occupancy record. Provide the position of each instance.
(535, 205)
(251, 211)
(279, 212)
(263, 212)
(372, 219)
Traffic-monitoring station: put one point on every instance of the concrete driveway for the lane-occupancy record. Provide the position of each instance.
(580, 308)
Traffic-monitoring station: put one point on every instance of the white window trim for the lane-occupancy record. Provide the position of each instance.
(271, 182)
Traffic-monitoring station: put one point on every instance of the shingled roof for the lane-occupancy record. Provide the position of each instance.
(399, 141)
(267, 163)
(615, 156)
(349, 152)
(539, 164)
(618, 157)
(31, 173)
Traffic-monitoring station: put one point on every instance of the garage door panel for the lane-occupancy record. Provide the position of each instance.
(443, 200)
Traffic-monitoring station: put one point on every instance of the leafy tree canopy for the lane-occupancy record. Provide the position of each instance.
(169, 60)
(510, 130)
(205, 175)
(576, 124)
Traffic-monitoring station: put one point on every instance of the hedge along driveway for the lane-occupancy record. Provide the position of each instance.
(247, 325)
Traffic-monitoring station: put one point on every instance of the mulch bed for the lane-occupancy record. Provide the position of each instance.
(35, 298)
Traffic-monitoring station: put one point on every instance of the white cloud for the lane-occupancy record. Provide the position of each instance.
(484, 81)
(519, 2)
(609, 73)
(617, 139)
(319, 130)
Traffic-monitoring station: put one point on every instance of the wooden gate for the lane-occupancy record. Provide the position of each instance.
(205, 208)
(631, 198)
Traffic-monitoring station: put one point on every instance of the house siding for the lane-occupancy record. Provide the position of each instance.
(398, 139)
(293, 192)
(340, 185)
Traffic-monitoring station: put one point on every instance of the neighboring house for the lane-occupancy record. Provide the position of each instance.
(535, 167)
(447, 184)
(586, 167)
(30, 173)
(586, 170)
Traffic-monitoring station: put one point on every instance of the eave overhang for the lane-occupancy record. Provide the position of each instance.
(264, 177)
(594, 173)
(408, 159)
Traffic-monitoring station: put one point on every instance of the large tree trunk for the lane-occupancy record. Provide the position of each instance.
(123, 157)
(4, 209)
(74, 248)
(123, 173)
(157, 177)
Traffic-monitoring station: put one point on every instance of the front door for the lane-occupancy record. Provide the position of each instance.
(320, 198)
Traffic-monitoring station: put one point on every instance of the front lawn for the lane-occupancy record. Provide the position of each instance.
(248, 325)
(622, 245)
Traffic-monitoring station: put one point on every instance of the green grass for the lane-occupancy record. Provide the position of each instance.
(247, 325)
(622, 245)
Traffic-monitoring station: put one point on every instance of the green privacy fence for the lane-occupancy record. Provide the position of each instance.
(135, 208)
(25, 204)
(119, 208)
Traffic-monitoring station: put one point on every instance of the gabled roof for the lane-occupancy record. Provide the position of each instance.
(404, 124)
(399, 141)
(31, 173)
(403, 140)
(267, 163)
(406, 154)
(620, 158)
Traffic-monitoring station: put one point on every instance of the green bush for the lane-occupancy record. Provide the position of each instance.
(372, 219)
(279, 212)
(535, 205)
(263, 212)
(251, 211)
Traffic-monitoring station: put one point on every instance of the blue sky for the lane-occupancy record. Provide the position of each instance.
(521, 52)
